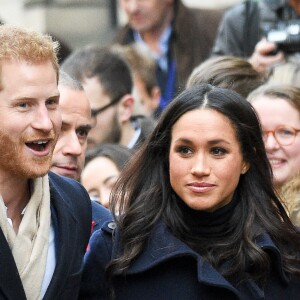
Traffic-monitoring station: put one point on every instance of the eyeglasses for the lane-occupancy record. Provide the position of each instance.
(284, 135)
(95, 112)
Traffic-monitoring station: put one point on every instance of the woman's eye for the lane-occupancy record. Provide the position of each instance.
(218, 151)
(184, 150)
(285, 132)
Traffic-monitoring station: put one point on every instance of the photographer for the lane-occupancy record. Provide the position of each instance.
(246, 28)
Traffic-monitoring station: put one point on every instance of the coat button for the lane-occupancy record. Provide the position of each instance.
(112, 225)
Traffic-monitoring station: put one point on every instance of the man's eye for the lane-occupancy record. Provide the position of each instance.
(82, 133)
(52, 102)
(23, 105)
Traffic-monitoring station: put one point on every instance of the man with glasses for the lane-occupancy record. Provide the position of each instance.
(107, 81)
(69, 153)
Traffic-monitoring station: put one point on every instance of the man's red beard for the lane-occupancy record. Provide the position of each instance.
(13, 158)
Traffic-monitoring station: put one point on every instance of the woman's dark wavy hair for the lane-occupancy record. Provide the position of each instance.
(144, 194)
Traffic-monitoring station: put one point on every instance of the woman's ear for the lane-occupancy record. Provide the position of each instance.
(245, 167)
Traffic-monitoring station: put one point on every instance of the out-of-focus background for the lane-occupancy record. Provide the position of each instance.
(78, 22)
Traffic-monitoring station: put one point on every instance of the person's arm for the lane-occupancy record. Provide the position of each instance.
(229, 40)
(98, 255)
(261, 59)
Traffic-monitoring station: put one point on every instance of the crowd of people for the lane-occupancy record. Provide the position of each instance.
(165, 165)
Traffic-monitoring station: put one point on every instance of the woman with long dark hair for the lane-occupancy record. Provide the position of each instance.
(198, 217)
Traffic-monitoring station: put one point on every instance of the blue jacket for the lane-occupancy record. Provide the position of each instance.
(100, 215)
(168, 270)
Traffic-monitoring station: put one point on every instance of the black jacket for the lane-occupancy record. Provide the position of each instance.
(246, 23)
(71, 219)
(169, 270)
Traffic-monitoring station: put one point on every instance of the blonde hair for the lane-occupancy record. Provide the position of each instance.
(22, 44)
(287, 73)
(227, 72)
(287, 92)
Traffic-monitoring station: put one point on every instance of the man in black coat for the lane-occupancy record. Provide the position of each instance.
(265, 32)
(45, 220)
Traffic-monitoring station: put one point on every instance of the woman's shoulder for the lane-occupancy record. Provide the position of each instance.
(96, 259)
(103, 236)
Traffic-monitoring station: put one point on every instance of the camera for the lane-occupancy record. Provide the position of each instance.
(285, 34)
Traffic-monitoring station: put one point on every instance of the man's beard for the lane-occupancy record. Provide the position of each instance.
(13, 159)
(114, 135)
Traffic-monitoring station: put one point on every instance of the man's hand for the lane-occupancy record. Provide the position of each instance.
(261, 59)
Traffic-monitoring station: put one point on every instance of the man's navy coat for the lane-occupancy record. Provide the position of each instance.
(71, 218)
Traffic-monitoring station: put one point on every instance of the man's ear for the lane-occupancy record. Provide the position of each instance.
(155, 98)
(125, 108)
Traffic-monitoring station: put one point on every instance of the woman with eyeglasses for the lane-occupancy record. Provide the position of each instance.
(278, 108)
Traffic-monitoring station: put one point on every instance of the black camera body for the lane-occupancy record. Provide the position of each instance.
(285, 34)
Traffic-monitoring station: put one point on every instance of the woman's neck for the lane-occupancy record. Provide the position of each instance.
(208, 225)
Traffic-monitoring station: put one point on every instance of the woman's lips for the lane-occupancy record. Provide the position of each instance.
(201, 187)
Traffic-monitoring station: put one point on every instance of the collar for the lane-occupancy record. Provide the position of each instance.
(265, 242)
(159, 250)
(9, 220)
(136, 135)
(162, 59)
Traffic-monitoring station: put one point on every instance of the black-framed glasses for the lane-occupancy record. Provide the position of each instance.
(284, 135)
(96, 112)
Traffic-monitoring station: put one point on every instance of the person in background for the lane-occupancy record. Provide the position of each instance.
(198, 217)
(286, 73)
(107, 81)
(278, 108)
(229, 72)
(178, 38)
(264, 32)
(70, 150)
(103, 167)
(45, 219)
(146, 92)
